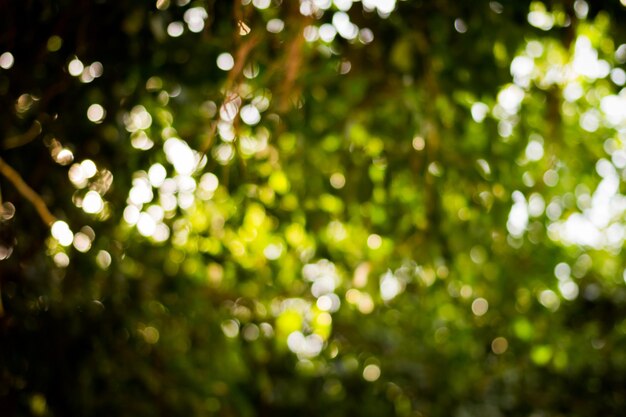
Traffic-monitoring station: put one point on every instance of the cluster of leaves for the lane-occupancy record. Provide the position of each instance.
(317, 207)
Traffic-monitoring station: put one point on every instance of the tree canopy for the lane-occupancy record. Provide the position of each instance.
(313, 207)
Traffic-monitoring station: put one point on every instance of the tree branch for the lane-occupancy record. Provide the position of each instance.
(24, 189)
(23, 139)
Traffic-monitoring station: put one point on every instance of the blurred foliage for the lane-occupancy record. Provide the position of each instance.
(333, 208)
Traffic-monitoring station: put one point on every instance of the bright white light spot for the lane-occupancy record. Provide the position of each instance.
(618, 76)
(323, 275)
(6, 60)
(95, 113)
(510, 98)
(418, 143)
(573, 91)
(324, 319)
(64, 157)
(384, 7)
(614, 107)
(262, 102)
(620, 53)
(554, 210)
(275, 26)
(250, 115)
(480, 306)
(541, 20)
(305, 346)
(505, 128)
(273, 251)
(61, 260)
(460, 25)
(156, 212)
(141, 192)
(345, 28)
(103, 259)
(250, 71)
(322, 4)
(168, 202)
(327, 32)
(251, 332)
(82, 243)
(75, 67)
(96, 69)
(261, 4)
(86, 77)
(230, 328)
(225, 61)
(337, 180)
(323, 284)
(185, 200)
(366, 35)
(586, 61)
(306, 8)
(88, 168)
(169, 186)
(374, 241)
(371, 373)
(146, 225)
(549, 300)
(521, 70)
(180, 155)
(551, 178)
(156, 175)
(345, 66)
(605, 170)
(343, 5)
(175, 29)
(224, 153)
(581, 8)
(161, 233)
(390, 286)
(484, 166)
(518, 216)
(479, 111)
(562, 271)
(435, 169)
(138, 119)
(569, 290)
(534, 150)
(619, 158)
(62, 233)
(195, 17)
(131, 214)
(534, 49)
(590, 120)
(324, 303)
(141, 141)
(310, 33)
(209, 182)
(228, 112)
(77, 176)
(92, 203)
(536, 205)
(580, 230)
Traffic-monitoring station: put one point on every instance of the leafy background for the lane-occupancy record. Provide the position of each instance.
(337, 208)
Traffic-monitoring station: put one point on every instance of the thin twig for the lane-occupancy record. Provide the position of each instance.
(292, 68)
(24, 189)
(241, 57)
(24, 138)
